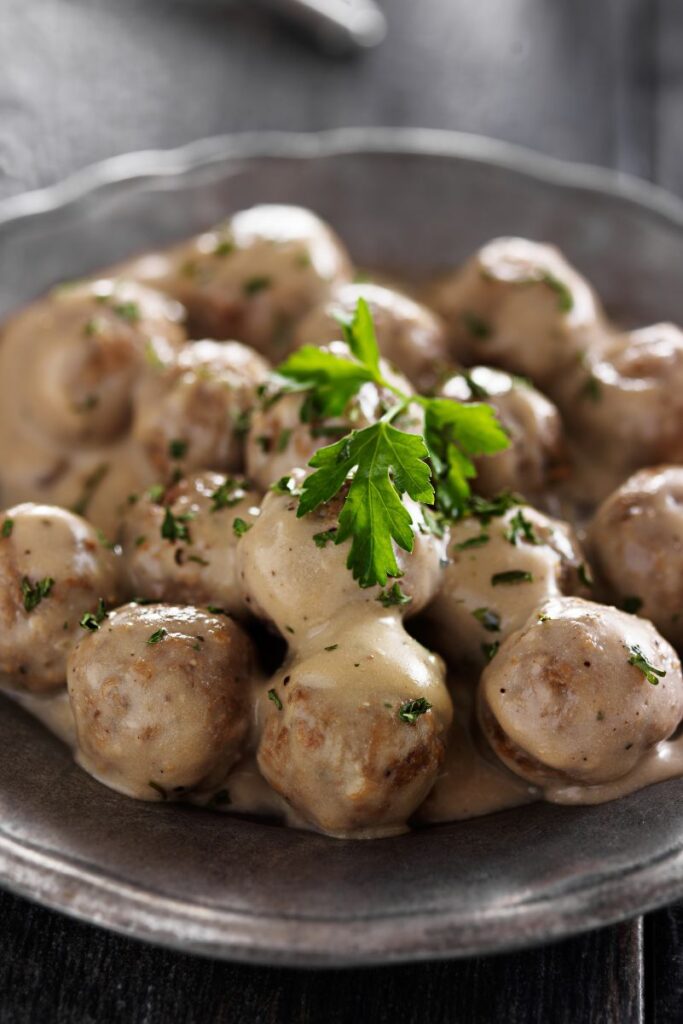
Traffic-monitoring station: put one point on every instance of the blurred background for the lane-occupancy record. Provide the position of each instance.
(591, 80)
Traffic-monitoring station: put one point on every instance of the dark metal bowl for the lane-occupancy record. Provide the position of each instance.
(417, 201)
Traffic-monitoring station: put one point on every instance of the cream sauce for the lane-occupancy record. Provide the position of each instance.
(472, 782)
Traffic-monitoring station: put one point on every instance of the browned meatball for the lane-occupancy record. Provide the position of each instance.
(636, 542)
(180, 546)
(279, 440)
(408, 334)
(253, 277)
(518, 304)
(536, 456)
(625, 403)
(160, 696)
(75, 355)
(193, 413)
(581, 693)
(353, 735)
(54, 570)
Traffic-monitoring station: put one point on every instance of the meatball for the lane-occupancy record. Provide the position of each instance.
(194, 412)
(636, 543)
(180, 546)
(53, 571)
(160, 696)
(85, 346)
(353, 735)
(279, 440)
(625, 404)
(255, 276)
(502, 563)
(536, 455)
(294, 574)
(581, 693)
(408, 334)
(519, 305)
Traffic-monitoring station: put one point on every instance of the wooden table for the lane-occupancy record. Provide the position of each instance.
(591, 80)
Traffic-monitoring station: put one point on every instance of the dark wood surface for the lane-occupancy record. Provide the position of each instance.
(592, 80)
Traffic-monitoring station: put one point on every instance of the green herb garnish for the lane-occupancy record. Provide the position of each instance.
(6, 528)
(393, 597)
(33, 593)
(382, 462)
(490, 650)
(93, 620)
(639, 661)
(521, 527)
(410, 710)
(157, 636)
(129, 311)
(227, 495)
(177, 449)
(174, 527)
(478, 328)
(322, 539)
(272, 696)
(256, 284)
(512, 576)
(240, 527)
(489, 619)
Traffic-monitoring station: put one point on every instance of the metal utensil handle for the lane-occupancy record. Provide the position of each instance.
(338, 24)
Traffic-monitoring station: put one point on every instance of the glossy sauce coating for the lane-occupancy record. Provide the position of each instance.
(360, 730)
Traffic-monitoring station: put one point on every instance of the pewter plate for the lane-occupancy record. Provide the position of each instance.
(414, 201)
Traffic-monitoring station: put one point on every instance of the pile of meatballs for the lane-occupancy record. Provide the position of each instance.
(154, 574)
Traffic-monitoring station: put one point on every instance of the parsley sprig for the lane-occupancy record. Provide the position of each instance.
(382, 463)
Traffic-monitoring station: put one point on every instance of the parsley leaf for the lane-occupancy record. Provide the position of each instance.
(393, 597)
(454, 434)
(521, 527)
(331, 379)
(93, 620)
(387, 464)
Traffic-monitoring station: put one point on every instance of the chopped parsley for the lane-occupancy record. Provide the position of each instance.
(256, 284)
(33, 593)
(217, 610)
(591, 389)
(632, 604)
(224, 247)
(565, 299)
(473, 542)
(93, 620)
(104, 541)
(332, 647)
(272, 696)
(543, 617)
(139, 541)
(521, 527)
(393, 597)
(490, 650)
(177, 449)
(174, 527)
(410, 710)
(486, 509)
(511, 577)
(240, 527)
(489, 619)
(322, 539)
(6, 528)
(128, 311)
(157, 636)
(286, 485)
(478, 328)
(639, 661)
(227, 495)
